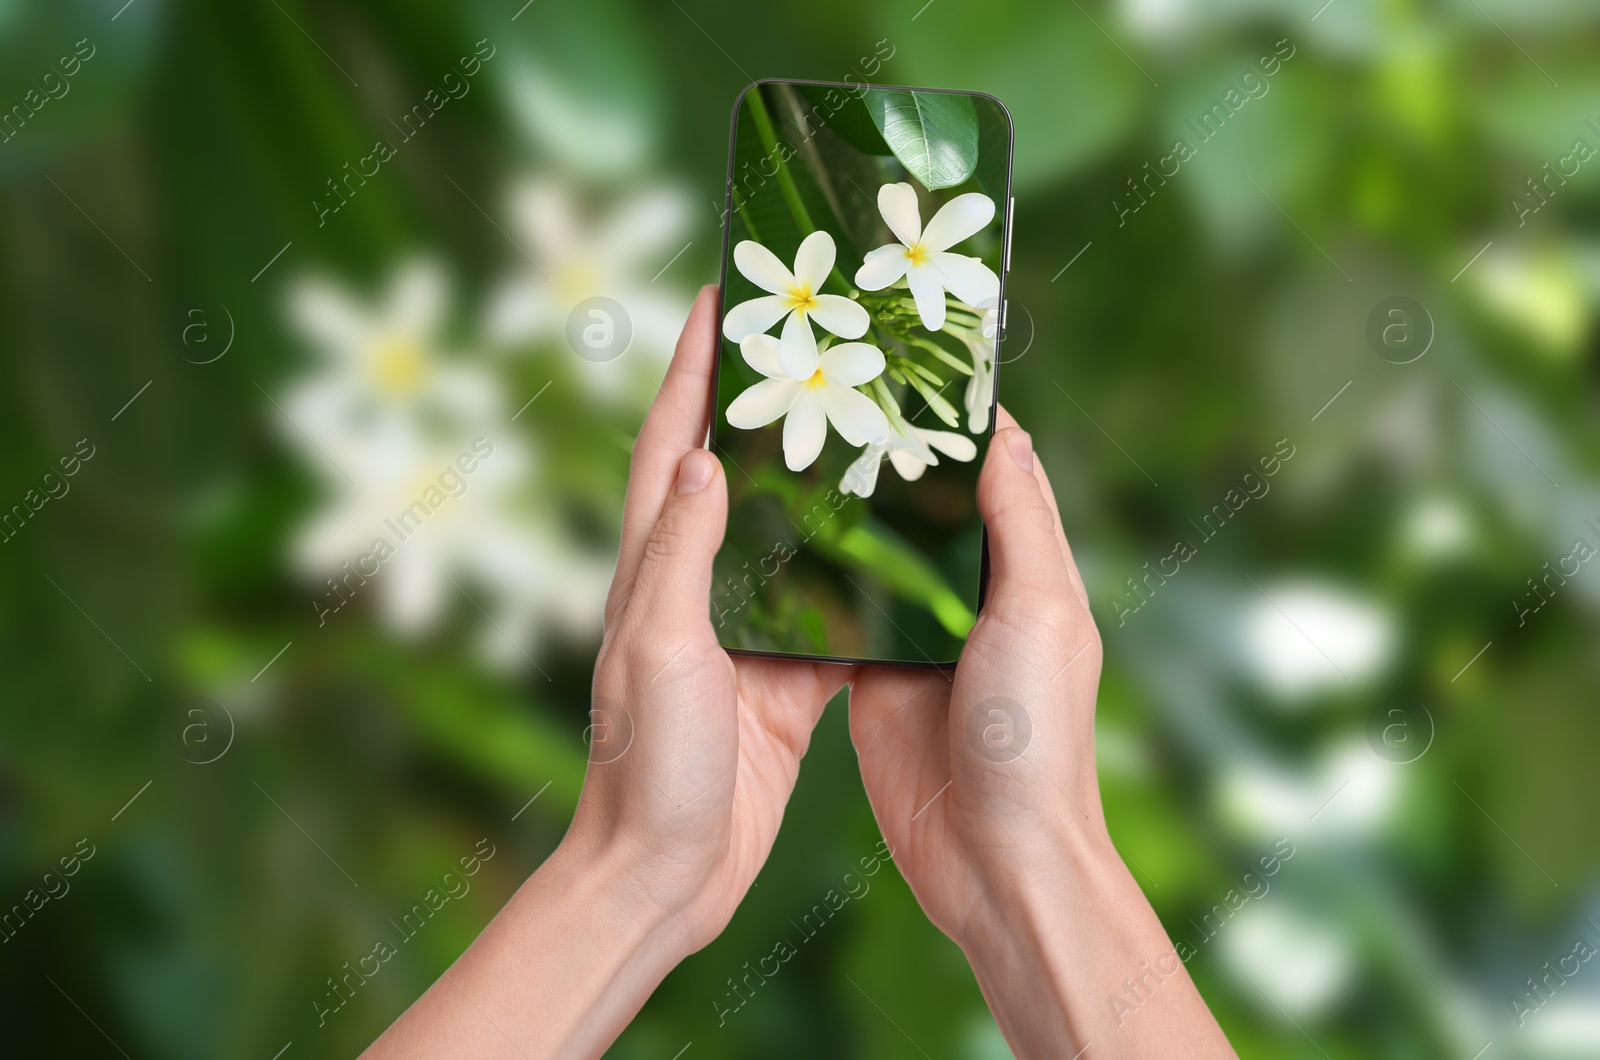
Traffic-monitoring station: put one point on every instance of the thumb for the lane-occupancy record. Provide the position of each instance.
(1025, 558)
(674, 582)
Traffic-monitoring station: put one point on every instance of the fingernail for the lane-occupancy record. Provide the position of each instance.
(694, 471)
(1021, 446)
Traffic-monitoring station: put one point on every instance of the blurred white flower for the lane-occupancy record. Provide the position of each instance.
(381, 363)
(415, 448)
(1300, 638)
(1302, 965)
(1437, 527)
(821, 392)
(910, 454)
(1348, 791)
(570, 260)
(594, 135)
(794, 300)
(923, 258)
(1568, 1025)
(1162, 21)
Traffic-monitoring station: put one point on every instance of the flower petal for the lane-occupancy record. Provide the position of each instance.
(955, 446)
(856, 417)
(652, 222)
(417, 298)
(882, 267)
(844, 317)
(929, 294)
(908, 464)
(329, 317)
(761, 267)
(761, 353)
(969, 279)
(797, 349)
(763, 403)
(957, 219)
(804, 430)
(814, 260)
(861, 477)
(898, 205)
(851, 363)
(979, 396)
(754, 317)
(544, 215)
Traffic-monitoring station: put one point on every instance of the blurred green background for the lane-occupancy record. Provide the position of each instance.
(1353, 662)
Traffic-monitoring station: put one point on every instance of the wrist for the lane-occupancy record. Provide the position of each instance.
(1053, 937)
(615, 885)
(1069, 869)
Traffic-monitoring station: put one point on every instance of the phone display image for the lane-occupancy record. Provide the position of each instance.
(855, 384)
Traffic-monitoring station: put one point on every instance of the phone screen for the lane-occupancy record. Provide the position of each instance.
(862, 271)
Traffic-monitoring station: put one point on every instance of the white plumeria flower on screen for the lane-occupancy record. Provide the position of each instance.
(569, 259)
(821, 392)
(923, 257)
(794, 300)
(980, 386)
(910, 454)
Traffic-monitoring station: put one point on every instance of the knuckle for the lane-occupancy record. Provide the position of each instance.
(668, 540)
(1050, 619)
(1026, 515)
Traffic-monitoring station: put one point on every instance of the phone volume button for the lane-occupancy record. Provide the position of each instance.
(1011, 236)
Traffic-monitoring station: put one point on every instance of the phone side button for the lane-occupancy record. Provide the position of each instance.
(1011, 235)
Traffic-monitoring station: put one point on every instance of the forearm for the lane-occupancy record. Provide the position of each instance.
(558, 973)
(1073, 955)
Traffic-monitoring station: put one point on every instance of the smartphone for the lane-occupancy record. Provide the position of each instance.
(866, 237)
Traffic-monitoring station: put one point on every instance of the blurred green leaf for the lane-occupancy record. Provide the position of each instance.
(875, 550)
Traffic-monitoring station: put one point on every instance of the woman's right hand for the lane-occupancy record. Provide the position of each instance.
(985, 787)
(973, 779)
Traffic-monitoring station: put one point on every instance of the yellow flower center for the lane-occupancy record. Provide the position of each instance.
(576, 281)
(816, 379)
(802, 299)
(917, 254)
(398, 366)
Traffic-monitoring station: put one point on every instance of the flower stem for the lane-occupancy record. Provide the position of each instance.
(786, 184)
(890, 406)
(744, 215)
